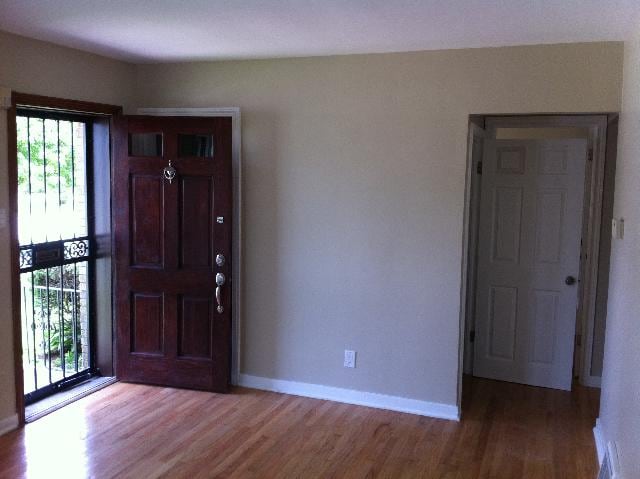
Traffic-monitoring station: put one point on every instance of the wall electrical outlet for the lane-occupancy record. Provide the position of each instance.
(349, 358)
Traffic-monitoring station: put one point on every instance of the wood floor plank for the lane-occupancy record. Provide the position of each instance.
(135, 431)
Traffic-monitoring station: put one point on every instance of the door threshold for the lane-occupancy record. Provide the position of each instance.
(56, 401)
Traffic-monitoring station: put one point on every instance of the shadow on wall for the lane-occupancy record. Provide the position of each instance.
(262, 224)
(7, 381)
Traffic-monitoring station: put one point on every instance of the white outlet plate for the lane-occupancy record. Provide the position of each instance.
(349, 358)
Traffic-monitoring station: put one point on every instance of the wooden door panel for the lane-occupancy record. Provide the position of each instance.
(507, 216)
(169, 329)
(196, 222)
(147, 323)
(147, 220)
(503, 307)
(195, 317)
(511, 160)
(551, 209)
(544, 313)
(173, 282)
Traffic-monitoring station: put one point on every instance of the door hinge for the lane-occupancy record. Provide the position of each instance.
(590, 154)
(479, 168)
(472, 336)
(578, 340)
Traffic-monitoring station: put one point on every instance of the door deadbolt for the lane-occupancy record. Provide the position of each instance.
(220, 259)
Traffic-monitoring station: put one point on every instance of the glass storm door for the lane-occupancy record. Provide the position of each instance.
(56, 243)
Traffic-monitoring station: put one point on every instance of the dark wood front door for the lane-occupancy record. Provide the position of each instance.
(172, 246)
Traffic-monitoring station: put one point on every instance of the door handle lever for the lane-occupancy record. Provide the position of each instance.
(220, 280)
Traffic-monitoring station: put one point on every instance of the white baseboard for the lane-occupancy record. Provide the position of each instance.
(8, 424)
(600, 442)
(591, 381)
(350, 396)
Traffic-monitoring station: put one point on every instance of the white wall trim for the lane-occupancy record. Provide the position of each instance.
(8, 424)
(598, 436)
(597, 125)
(591, 381)
(234, 113)
(468, 263)
(351, 396)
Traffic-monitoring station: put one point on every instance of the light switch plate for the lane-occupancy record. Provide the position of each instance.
(617, 228)
(349, 358)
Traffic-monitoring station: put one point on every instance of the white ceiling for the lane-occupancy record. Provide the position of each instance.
(180, 30)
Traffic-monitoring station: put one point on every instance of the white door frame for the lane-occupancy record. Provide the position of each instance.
(596, 142)
(236, 245)
(476, 135)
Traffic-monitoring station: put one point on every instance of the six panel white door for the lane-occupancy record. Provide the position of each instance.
(529, 243)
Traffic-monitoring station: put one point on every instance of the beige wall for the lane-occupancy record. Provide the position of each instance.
(31, 66)
(620, 402)
(354, 171)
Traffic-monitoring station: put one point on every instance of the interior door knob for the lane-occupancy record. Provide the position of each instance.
(570, 280)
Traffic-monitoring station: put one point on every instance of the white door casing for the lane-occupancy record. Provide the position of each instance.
(529, 243)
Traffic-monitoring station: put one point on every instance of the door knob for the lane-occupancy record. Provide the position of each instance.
(220, 280)
(570, 280)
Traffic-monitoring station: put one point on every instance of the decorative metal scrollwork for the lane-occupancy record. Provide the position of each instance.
(76, 249)
(54, 253)
(26, 258)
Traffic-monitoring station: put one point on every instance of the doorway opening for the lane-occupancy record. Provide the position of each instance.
(538, 215)
(60, 195)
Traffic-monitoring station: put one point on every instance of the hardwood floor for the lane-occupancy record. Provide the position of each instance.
(142, 432)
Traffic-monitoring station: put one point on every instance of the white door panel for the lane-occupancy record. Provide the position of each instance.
(529, 242)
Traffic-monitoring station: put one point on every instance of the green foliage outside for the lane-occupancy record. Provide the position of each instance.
(46, 165)
(38, 140)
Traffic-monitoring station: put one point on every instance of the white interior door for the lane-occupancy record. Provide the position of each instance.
(528, 251)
